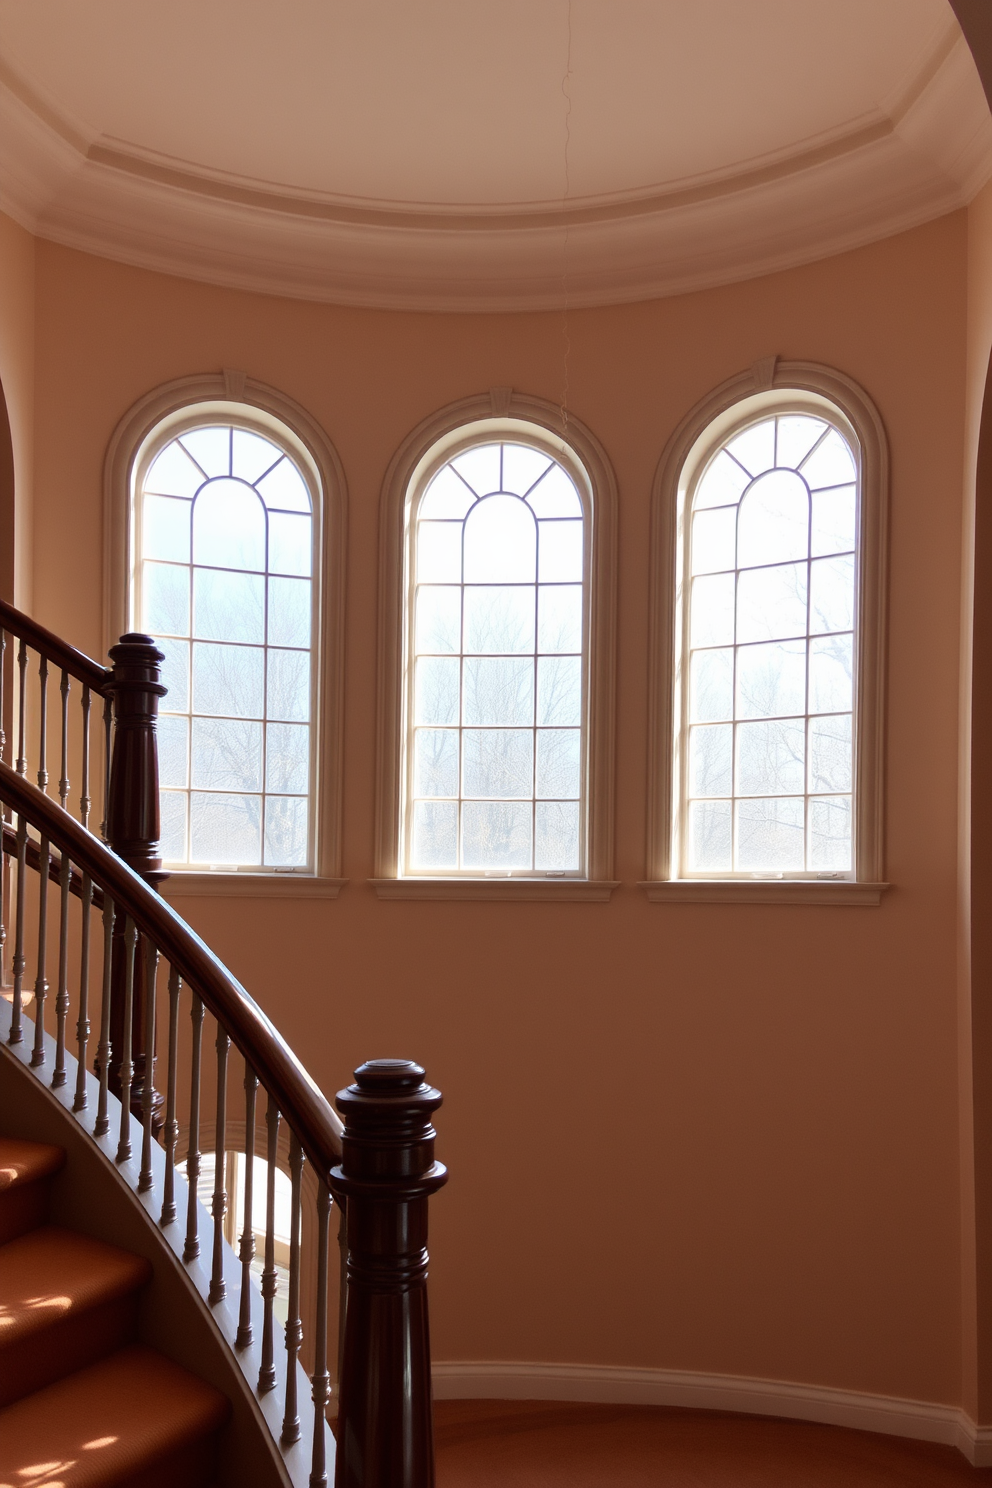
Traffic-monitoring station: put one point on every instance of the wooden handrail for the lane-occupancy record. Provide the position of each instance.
(78, 665)
(298, 1097)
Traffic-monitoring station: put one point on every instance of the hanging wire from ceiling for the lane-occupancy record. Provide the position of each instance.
(566, 88)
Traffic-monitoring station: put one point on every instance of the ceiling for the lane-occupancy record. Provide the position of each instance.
(455, 154)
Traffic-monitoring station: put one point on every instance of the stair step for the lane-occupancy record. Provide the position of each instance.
(66, 1300)
(135, 1420)
(25, 1168)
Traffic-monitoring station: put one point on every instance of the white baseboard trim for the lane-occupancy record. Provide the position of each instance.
(610, 1384)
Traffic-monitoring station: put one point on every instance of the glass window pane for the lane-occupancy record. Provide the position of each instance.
(210, 448)
(830, 464)
(175, 674)
(711, 759)
(755, 448)
(436, 693)
(228, 680)
(523, 468)
(496, 834)
(287, 758)
(289, 612)
(711, 686)
(499, 691)
(555, 496)
(173, 473)
(560, 553)
(834, 515)
(559, 690)
(435, 835)
(830, 758)
(290, 546)
(770, 835)
(172, 811)
(773, 520)
(165, 599)
(500, 621)
(771, 680)
(165, 529)
(498, 762)
(479, 467)
(714, 535)
(439, 618)
(771, 603)
(173, 750)
(225, 829)
(831, 674)
(796, 436)
(556, 836)
(252, 455)
(446, 498)
(770, 758)
(435, 765)
(229, 526)
(286, 831)
(226, 754)
(284, 488)
(559, 763)
(710, 846)
(289, 686)
(831, 594)
(830, 834)
(722, 485)
(712, 615)
(559, 617)
(500, 542)
(228, 606)
(439, 552)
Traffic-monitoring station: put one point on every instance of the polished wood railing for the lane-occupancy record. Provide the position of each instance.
(126, 962)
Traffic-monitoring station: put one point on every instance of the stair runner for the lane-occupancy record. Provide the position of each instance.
(83, 1404)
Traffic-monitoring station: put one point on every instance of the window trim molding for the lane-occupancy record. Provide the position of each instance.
(232, 394)
(768, 383)
(499, 411)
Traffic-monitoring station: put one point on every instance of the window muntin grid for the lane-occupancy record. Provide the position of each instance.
(770, 643)
(224, 583)
(496, 678)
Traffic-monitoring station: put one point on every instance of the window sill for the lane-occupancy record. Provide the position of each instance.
(762, 891)
(505, 890)
(250, 886)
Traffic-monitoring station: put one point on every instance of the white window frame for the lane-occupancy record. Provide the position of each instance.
(500, 415)
(771, 387)
(232, 398)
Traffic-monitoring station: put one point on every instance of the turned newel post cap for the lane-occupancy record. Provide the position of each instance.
(388, 1134)
(389, 1076)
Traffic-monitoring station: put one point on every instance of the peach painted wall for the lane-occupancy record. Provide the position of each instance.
(17, 254)
(693, 1137)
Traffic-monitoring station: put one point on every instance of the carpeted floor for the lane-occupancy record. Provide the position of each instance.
(538, 1444)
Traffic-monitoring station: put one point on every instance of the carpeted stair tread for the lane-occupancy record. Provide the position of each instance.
(25, 1162)
(112, 1423)
(51, 1274)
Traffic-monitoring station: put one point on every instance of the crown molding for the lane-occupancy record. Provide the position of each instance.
(924, 154)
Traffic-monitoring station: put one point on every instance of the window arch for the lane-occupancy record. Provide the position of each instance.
(774, 642)
(498, 680)
(226, 531)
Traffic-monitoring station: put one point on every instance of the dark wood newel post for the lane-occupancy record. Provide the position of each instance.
(133, 829)
(385, 1423)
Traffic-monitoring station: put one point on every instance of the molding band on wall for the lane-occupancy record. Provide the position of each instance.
(615, 1385)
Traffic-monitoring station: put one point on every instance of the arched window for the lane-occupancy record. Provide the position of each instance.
(223, 581)
(775, 713)
(502, 690)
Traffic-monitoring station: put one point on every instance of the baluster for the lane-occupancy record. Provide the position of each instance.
(294, 1324)
(79, 1102)
(84, 798)
(22, 708)
(108, 726)
(64, 777)
(246, 1250)
(387, 1173)
(270, 1277)
(321, 1378)
(62, 995)
(4, 890)
(20, 960)
(127, 1053)
(192, 1247)
(151, 975)
(43, 741)
(104, 1047)
(3, 694)
(171, 1123)
(218, 1204)
(41, 980)
(342, 1204)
